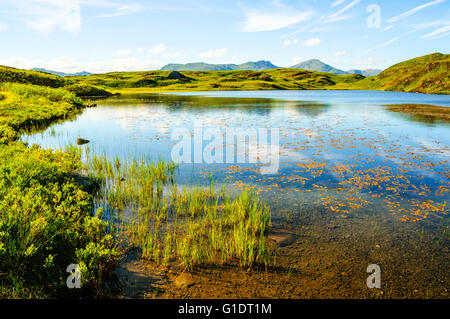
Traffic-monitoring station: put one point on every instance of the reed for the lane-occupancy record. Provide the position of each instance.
(189, 226)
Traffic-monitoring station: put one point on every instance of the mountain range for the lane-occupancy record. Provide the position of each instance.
(61, 73)
(200, 66)
(310, 65)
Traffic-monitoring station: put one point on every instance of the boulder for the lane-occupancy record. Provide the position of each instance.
(82, 141)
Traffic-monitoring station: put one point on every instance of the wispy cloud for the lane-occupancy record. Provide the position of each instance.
(338, 15)
(46, 16)
(211, 54)
(64, 64)
(444, 31)
(160, 48)
(415, 10)
(280, 17)
(290, 42)
(3, 27)
(122, 10)
(389, 27)
(340, 53)
(393, 40)
(123, 52)
(311, 42)
(337, 3)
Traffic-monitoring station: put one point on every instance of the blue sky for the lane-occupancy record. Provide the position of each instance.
(128, 35)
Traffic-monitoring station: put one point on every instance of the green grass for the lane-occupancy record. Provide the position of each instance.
(25, 105)
(46, 220)
(188, 227)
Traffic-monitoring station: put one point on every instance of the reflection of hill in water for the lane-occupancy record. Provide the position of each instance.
(259, 106)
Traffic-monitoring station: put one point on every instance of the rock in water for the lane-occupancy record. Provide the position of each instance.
(82, 141)
(282, 239)
(184, 281)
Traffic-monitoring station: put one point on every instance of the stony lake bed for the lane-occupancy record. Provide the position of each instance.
(357, 184)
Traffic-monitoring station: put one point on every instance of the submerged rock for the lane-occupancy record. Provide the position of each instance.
(184, 280)
(282, 239)
(82, 141)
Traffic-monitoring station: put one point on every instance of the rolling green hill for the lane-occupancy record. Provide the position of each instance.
(426, 74)
(12, 75)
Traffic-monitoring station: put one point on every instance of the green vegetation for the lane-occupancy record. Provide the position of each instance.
(276, 79)
(428, 74)
(423, 113)
(46, 220)
(47, 216)
(192, 227)
(85, 90)
(13, 75)
(25, 106)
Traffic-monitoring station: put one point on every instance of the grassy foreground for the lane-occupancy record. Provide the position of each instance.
(48, 218)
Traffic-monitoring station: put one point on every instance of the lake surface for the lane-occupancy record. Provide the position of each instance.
(347, 165)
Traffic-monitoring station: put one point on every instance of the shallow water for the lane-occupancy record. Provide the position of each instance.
(346, 162)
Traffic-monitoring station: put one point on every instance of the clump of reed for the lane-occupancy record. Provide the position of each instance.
(188, 226)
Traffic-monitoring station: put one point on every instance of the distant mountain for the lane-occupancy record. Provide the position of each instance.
(318, 66)
(62, 73)
(200, 66)
(367, 72)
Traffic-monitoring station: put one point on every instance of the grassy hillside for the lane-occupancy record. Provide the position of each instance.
(13, 75)
(25, 105)
(276, 79)
(428, 74)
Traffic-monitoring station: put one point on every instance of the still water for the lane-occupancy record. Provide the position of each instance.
(352, 175)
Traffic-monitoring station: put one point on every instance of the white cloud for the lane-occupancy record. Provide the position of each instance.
(3, 27)
(438, 32)
(140, 50)
(123, 52)
(311, 42)
(337, 16)
(121, 10)
(337, 2)
(172, 55)
(160, 48)
(340, 53)
(269, 21)
(415, 10)
(46, 16)
(211, 54)
(68, 65)
(289, 42)
(370, 62)
(389, 27)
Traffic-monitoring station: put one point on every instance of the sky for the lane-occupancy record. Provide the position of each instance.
(129, 35)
